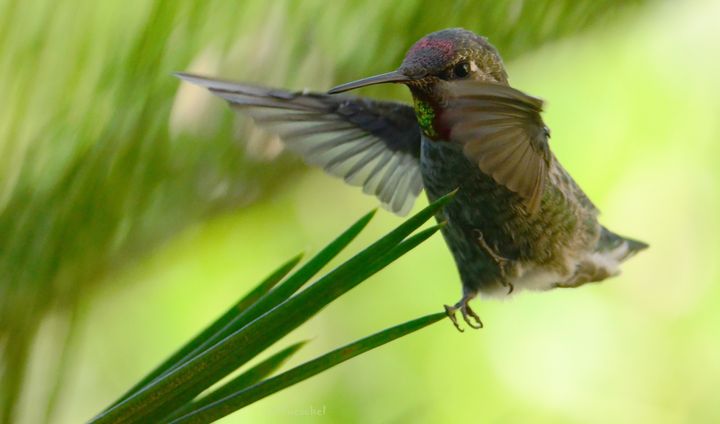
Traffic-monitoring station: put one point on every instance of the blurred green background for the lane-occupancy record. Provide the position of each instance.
(134, 210)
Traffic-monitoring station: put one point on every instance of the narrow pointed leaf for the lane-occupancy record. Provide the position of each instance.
(281, 292)
(161, 397)
(241, 382)
(242, 398)
(250, 298)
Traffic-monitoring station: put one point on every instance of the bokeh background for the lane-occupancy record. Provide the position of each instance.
(134, 209)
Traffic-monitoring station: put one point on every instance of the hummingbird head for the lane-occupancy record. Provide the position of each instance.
(447, 55)
(439, 57)
(452, 54)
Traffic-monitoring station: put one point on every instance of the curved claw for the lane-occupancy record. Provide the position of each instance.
(468, 313)
(501, 261)
(469, 316)
(450, 311)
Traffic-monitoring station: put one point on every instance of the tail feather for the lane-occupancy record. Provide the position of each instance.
(635, 246)
(625, 247)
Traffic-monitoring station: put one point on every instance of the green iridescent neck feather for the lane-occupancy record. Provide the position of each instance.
(425, 116)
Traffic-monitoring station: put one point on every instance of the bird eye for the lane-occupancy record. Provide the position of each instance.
(461, 70)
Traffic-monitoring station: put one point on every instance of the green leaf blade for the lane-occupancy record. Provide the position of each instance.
(303, 372)
(174, 389)
(243, 381)
(261, 289)
(272, 298)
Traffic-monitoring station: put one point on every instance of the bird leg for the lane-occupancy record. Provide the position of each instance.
(499, 260)
(466, 312)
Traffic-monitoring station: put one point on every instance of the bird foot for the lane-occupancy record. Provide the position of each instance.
(471, 318)
(499, 260)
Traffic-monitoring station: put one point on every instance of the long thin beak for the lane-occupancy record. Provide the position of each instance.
(393, 76)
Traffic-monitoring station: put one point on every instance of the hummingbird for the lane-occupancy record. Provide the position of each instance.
(518, 220)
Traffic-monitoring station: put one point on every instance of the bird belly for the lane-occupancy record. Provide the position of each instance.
(534, 250)
(537, 278)
(592, 266)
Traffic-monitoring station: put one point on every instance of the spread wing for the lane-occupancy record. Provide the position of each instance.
(372, 144)
(501, 130)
